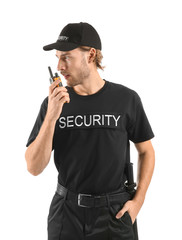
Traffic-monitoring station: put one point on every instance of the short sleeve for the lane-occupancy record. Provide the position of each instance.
(38, 122)
(140, 129)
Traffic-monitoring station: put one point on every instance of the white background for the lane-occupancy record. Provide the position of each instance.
(142, 49)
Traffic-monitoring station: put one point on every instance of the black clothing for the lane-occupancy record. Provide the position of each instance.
(91, 138)
(67, 220)
(91, 145)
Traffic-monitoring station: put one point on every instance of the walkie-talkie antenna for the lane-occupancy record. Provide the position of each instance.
(50, 71)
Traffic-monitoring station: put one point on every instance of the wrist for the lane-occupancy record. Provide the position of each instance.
(139, 196)
(50, 120)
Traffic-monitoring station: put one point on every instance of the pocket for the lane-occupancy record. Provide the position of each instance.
(55, 217)
(122, 227)
(125, 219)
(129, 217)
(56, 204)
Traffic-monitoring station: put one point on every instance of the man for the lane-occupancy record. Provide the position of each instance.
(89, 124)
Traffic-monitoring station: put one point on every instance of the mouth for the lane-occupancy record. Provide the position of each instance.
(66, 76)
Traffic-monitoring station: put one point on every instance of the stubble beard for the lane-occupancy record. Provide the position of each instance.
(83, 74)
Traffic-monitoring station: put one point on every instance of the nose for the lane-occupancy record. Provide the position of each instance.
(61, 65)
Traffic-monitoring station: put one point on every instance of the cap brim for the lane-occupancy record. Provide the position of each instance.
(61, 46)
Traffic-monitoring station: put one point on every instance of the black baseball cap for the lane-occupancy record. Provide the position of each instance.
(74, 35)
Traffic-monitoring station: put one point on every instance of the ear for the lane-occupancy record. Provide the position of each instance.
(92, 54)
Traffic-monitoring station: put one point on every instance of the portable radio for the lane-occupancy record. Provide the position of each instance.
(54, 78)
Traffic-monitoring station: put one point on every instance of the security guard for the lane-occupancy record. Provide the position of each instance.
(89, 124)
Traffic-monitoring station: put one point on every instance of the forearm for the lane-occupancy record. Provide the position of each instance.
(146, 162)
(39, 151)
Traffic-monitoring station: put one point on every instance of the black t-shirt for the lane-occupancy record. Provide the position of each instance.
(91, 137)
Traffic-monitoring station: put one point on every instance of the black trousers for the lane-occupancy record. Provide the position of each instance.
(68, 221)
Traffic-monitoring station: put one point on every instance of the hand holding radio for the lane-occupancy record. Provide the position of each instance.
(58, 95)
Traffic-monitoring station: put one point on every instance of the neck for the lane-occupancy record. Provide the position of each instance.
(90, 85)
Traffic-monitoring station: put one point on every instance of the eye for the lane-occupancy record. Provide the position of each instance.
(65, 58)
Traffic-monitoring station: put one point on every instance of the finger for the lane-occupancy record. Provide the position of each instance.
(60, 95)
(63, 96)
(58, 90)
(65, 99)
(122, 212)
(54, 85)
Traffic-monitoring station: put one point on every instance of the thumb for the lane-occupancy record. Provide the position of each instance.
(121, 212)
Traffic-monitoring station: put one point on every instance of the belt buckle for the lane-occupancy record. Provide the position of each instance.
(80, 197)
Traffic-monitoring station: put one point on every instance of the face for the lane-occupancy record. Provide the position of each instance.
(73, 65)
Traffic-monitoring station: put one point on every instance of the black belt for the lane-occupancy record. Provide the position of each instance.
(89, 200)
